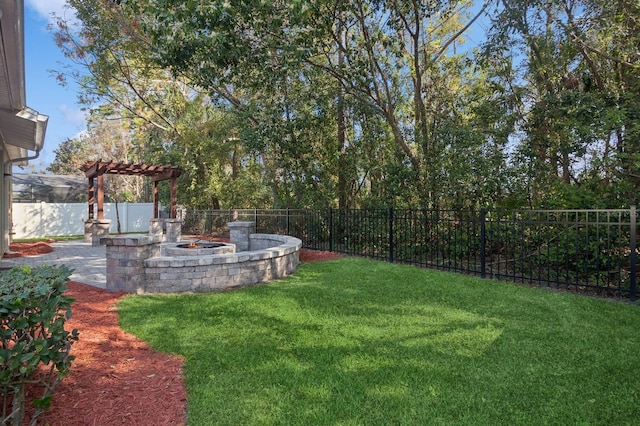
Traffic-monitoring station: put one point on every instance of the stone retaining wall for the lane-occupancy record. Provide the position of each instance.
(270, 257)
(263, 241)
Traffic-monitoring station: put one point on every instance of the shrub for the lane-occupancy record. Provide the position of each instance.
(35, 346)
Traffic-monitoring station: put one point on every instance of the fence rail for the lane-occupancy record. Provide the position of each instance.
(584, 250)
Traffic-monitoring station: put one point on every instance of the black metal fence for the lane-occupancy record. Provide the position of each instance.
(592, 251)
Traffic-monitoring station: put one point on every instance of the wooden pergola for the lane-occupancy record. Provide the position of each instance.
(97, 169)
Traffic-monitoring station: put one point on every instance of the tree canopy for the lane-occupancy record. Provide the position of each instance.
(311, 103)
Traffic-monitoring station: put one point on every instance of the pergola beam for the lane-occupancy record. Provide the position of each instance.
(165, 175)
(97, 169)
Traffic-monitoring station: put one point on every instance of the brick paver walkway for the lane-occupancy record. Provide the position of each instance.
(88, 262)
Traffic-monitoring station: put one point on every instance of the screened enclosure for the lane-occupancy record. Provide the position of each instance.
(33, 188)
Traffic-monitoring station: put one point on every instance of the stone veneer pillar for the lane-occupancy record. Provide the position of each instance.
(239, 234)
(125, 260)
(88, 230)
(95, 229)
(174, 230)
(155, 226)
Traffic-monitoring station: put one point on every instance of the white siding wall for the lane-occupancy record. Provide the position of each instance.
(36, 220)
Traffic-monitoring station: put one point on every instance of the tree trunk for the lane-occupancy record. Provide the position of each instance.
(118, 227)
(342, 179)
(17, 414)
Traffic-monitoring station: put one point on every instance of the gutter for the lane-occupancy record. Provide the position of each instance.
(40, 122)
(7, 164)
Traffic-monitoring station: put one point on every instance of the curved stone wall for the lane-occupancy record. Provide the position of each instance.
(134, 265)
(178, 249)
(270, 257)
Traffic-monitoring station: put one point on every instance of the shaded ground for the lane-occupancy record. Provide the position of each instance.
(117, 379)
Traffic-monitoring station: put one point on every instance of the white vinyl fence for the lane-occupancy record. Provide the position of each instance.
(36, 220)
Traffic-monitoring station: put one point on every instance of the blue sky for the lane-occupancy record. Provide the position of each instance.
(44, 94)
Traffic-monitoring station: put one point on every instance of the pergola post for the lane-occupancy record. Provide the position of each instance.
(174, 198)
(100, 197)
(156, 214)
(92, 198)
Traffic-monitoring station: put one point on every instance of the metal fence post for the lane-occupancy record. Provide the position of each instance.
(391, 234)
(483, 243)
(288, 232)
(359, 229)
(633, 258)
(330, 229)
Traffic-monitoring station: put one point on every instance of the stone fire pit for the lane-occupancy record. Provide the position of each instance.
(143, 264)
(198, 248)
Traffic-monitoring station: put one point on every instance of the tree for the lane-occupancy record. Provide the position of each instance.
(380, 54)
(141, 112)
(107, 140)
(576, 98)
(69, 156)
(373, 102)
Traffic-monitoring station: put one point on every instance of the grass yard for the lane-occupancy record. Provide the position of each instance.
(360, 342)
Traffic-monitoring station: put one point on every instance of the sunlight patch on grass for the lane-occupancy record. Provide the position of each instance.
(360, 342)
(468, 342)
(398, 390)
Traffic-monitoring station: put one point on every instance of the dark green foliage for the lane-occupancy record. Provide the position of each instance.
(316, 104)
(578, 249)
(35, 345)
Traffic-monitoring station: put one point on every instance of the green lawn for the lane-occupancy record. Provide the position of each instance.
(360, 342)
(54, 238)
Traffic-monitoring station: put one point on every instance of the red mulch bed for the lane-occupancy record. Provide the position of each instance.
(317, 256)
(27, 249)
(116, 379)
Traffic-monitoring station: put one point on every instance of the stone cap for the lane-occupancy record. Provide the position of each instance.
(289, 245)
(240, 224)
(97, 221)
(133, 240)
(284, 244)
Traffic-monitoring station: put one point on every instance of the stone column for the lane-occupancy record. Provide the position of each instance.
(174, 230)
(95, 229)
(88, 230)
(125, 260)
(239, 234)
(155, 226)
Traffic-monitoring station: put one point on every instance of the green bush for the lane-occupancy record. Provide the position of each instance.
(35, 346)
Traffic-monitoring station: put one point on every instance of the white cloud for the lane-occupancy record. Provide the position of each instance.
(47, 8)
(72, 115)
